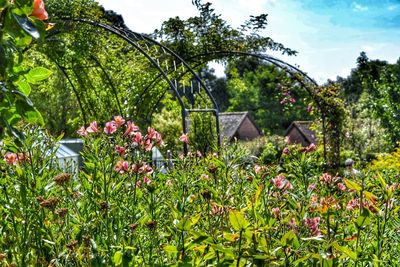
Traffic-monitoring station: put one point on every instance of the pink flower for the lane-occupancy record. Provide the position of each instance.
(110, 128)
(205, 177)
(137, 139)
(309, 108)
(147, 145)
(198, 154)
(134, 168)
(292, 100)
(157, 139)
(184, 138)
(118, 121)
(151, 133)
(120, 150)
(353, 204)
(145, 169)
(93, 127)
(82, 132)
(257, 169)
(121, 166)
(311, 148)
(326, 178)
(286, 151)
(311, 187)
(279, 181)
(11, 158)
(131, 128)
(288, 185)
(341, 187)
(313, 225)
(147, 180)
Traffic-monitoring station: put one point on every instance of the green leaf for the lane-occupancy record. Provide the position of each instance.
(38, 74)
(3, 3)
(363, 219)
(184, 224)
(352, 185)
(236, 218)
(23, 86)
(346, 251)
(170, 249)
(118, 258)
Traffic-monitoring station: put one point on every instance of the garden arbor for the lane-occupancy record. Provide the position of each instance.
(111, 70)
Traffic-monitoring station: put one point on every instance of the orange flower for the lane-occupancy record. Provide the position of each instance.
(39, 11)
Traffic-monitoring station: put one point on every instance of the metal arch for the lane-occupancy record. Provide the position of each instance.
(133, 39)
(109, 80)
(292, 70)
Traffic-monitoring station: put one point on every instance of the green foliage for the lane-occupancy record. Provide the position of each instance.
(199, 38)
(273, 98)
(387, 162)
(18, 30)
(333, 110)
(371, 92)
(169, 123)
(269, 154)
(212, 210)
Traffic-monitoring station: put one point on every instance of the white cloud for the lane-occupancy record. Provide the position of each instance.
(325, 50)
(359, 8)
(392, 7)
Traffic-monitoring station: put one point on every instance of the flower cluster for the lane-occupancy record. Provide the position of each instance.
(313, 225)
(131, 131)
(280, 182)
(16, 158)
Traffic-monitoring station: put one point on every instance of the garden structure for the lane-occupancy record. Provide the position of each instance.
(238, 126)
(202, 209)
(153, 68)
(300, 132)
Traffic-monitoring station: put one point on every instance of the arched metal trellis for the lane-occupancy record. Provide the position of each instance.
(191, 93)
(308, 83)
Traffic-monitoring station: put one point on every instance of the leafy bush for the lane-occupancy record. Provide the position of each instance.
(387, 162)
(208, 210)
(269, 154)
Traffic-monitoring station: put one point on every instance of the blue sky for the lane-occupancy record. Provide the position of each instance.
(328, 34)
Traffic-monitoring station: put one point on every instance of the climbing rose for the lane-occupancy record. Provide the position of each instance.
(39, 11)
